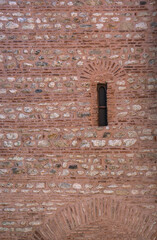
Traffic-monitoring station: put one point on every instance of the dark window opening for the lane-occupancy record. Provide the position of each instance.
(102, 104)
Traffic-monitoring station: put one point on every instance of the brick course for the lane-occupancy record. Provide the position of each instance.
(63, 176)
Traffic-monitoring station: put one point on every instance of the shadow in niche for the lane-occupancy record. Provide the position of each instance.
(95, 218)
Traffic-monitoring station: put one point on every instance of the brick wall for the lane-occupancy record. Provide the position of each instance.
(63, 176)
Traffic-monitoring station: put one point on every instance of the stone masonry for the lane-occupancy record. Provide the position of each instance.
(62, 177)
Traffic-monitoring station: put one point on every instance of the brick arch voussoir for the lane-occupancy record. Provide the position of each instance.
(101, 67)
(91, 210)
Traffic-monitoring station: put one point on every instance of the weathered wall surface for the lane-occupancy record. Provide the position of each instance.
(62, 176)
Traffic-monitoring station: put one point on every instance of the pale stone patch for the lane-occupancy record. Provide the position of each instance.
(129, 142)
(28, 109)
(115, 19)
(98, 143)
(51, 85)
(8, 144)
(28, 26)
(21, 116)
(103, 19)
(141, 25)
(115, 143)
(136, 107)
(40, 185)
(85, 144)
(108, 191)
(77, 186)
(12, 135)
(122, 114)
(2, 37)
(141, 168)
(24, 229)
(43, 143)
(143, 138)
(2, 116)
(11, 25)
(54, 115)
(12, 3)
(99, 25)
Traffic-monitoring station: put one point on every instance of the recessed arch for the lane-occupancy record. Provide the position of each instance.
(103, 71)
(102, 210)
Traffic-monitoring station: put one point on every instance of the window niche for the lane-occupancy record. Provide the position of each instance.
(102, 104)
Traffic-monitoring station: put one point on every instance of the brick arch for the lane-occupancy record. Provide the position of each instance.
(101, 210)
(102, 71)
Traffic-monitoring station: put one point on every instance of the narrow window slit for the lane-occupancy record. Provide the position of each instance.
(102, 104)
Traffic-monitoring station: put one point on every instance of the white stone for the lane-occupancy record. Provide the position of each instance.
(98, 143)
(131, 174)
(143, 138)
(1, 25)
(51, 84)
(40, 185)
(9, 209)
(85, 144)
(11, 25)
(115, 143)
(132, 134)
(77, 186)
(122, 114)
(28, 26)
(11, 79)
(119, 173)
(43, 143)
(108, 191)
(134, 192)
(54, 115)
(58, 25)
(153, 117)
(103, 19)
(24, 229)
(121, 88)
(113, 186)
(129, 142)
(141, 168)
(8, 144)
(141, 25)
(21, 115)
(29, 185)
(99, 26)
(3, 171)
(115, 19)
(92, 173)
(35, 223)
(114, 56)
(88, 186)
(120, 82)
(12, 135)
(130, 62)
(66, 115)
(65, 172)
(74, 143)
(28, 109)
(136, 107)
(2, 116)
(3, 91)
(16, 158)
(108, 35)
(12, 3)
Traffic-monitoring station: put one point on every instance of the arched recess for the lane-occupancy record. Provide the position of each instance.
(103, 71)
(98, 211)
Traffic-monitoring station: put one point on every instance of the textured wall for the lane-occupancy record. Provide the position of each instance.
(62, 176)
